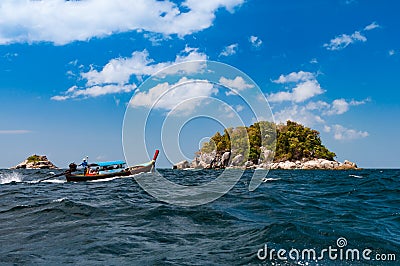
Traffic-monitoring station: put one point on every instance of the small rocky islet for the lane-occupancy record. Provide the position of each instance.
(285, 146)
(35, 162)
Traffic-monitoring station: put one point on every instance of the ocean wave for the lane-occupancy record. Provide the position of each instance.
(60, 200)
(52, 181)
(357, 176)
(12, 177)
(113, 222)
(265, 179)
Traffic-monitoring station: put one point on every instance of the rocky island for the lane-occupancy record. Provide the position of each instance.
(290, 146)
(36, 162)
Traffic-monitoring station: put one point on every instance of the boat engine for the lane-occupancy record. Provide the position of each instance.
(72, 167)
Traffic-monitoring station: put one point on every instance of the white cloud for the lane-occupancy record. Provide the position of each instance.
(120, 70)
(341, 106)
(318, 105)
(70, 74)
(96, 91)
(371, 26)
(115, 76)
(117, 101)
(337, 107)
(342, 133)
(236, 84)
(299, 114)
(72, 89)
(62, 22)
(295, 77)
(327, 129)
(14, 132)
(156, 39)
(255, 41)
(312, 113)
(342, 41)
(207, 5)
(190, 54)
(169, 96)
(355, 103)
(302, 92)
(314, 61)
(60, 98)
(306, 87)
(230, 50)
(391, 52)
(306, 117)
(239, 108)
(227, 111)
(10, 56)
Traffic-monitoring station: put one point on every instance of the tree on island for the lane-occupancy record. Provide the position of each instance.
(291, 142)
(34, 158)
(295, 142)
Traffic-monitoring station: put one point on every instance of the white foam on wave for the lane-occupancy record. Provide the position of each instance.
(191, 169)
(114, 178)
(60, 200)
(54, 181)
(7, 178)
(270, 179)
(357, 176)
(105, 179)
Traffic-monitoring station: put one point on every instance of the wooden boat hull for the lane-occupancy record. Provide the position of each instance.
(145, 168)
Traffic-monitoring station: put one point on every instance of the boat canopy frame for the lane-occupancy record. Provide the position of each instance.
(103, 164)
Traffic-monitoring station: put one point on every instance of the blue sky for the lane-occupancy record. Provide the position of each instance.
(69, 68)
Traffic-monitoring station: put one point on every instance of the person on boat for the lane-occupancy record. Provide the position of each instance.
(84, 164)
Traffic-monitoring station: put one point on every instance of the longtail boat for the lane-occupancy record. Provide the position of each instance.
(104, 170)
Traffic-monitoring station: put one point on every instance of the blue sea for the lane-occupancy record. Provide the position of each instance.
(116, 222)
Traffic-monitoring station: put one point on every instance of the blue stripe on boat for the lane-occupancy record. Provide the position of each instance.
(107, 163)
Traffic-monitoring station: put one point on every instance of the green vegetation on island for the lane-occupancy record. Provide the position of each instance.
(34, 158)
(291, 142)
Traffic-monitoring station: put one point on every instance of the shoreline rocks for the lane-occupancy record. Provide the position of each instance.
(315, 164)
(214, 161)
(35, 162)
(182, 165)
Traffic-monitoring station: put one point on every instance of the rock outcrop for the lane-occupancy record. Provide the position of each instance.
(315, 164)
(237, 160)
(36, 162)
(347, 165)
(217, 161)
(182, 165)
(203, 160)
